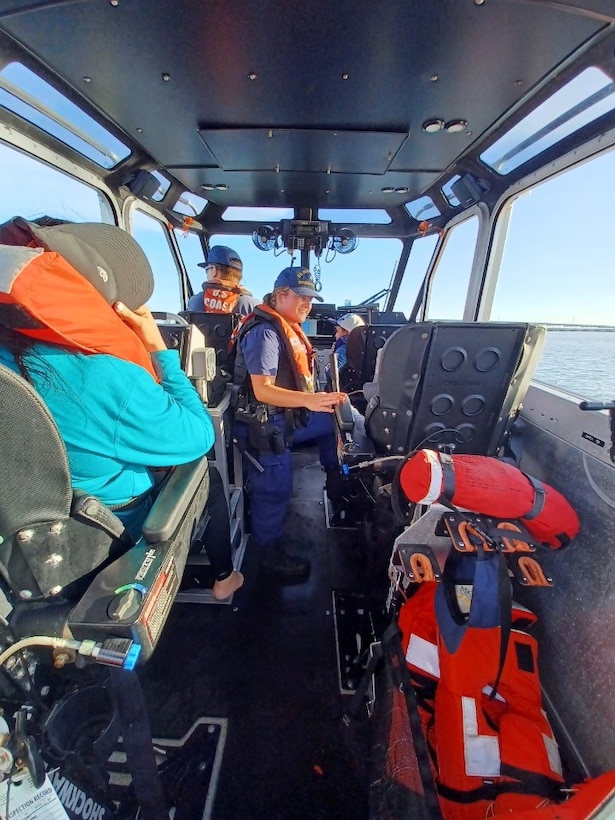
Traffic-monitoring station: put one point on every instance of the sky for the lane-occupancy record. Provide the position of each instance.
(557, 266)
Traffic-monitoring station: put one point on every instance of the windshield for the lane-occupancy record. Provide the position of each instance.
(346, 279)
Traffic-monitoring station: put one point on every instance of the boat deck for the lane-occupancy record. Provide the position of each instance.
(267, 665)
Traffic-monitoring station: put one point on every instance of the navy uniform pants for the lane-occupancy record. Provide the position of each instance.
(270, 491)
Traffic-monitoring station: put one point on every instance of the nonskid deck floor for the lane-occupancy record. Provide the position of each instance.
(268, 665)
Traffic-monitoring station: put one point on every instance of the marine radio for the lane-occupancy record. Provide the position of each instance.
(300, 234)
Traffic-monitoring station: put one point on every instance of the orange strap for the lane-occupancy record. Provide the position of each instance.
(468, 532)
(422, 568)
(513, 544)
(532, 570)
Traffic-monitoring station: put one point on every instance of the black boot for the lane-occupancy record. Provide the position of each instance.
(291, 568)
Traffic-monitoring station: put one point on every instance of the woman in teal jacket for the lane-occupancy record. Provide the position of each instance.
(117, 423)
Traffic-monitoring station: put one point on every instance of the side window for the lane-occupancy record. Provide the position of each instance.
(152, 236)
(418, 262)
(449, 286)
(557, 270)
(32, 189)
(191, 252)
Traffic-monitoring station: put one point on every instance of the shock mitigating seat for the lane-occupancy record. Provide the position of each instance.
(69, 571)
(362, 349)
(217, 329)
(452, 385)
(52, 538)
(61, 546)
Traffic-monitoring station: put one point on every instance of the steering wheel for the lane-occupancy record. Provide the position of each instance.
(162, 317)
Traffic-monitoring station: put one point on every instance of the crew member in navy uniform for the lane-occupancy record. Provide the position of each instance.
(222, 292)
(277, 406)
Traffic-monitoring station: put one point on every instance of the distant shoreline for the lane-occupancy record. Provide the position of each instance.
(578, 327)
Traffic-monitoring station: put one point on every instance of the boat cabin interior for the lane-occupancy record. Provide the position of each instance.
(445, 171)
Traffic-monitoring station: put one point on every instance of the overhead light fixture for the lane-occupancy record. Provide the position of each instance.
(455, 126)
(431, 126)
(207, 186)
(388, 190)
(221, 187)
(402, 190)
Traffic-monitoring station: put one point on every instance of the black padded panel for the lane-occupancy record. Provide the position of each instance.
(217, 329)
(452, 384)
(362, 348)
(34, 481)
(53, 552)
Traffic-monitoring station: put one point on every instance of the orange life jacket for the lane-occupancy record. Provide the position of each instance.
(45, 298)
(587, 799)
(217, 299)
(484, 744)
(298, 343)
(299, 373)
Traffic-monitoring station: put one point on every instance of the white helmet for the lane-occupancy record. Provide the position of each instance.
(349, 321)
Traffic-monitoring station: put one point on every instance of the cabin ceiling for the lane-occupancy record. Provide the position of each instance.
(317, 104)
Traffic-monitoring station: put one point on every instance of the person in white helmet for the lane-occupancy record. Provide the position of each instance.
(343, 326)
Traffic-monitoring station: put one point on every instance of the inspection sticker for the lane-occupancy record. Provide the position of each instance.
(23, 801)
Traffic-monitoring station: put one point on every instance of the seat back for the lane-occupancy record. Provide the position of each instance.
(217, 329)
(47, 544)
(59, 544)
(362, 348)
(452, 385)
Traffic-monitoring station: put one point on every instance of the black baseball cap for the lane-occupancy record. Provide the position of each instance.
(107, 256)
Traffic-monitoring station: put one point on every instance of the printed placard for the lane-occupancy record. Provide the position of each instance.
(23, 801)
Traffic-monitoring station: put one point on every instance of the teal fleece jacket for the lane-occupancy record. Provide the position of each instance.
(116, 420)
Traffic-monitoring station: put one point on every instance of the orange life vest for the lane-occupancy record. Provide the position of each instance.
(299, 374)
(44, 297)
(587, 798)
(484, 744)
(217, 299)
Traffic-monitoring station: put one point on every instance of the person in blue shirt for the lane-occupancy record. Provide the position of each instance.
(118, 423)
(274, 369)
(222, 291)
(343, 326)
